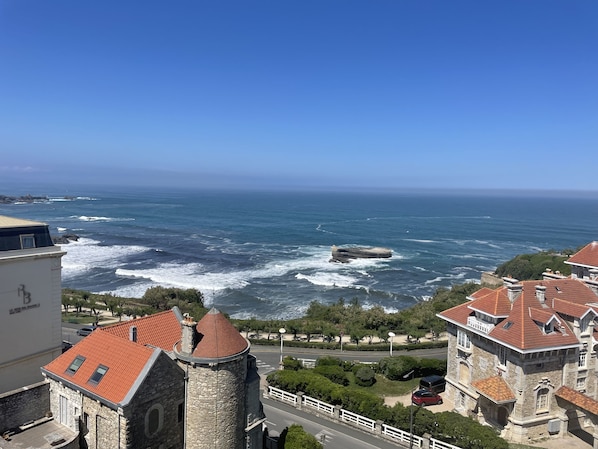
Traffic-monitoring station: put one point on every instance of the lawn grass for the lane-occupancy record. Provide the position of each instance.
(385, 387)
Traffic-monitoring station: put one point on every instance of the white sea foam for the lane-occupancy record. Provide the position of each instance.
(91, 218)
(311, 265)
(60, 229)
(421, 241)
(328, 279)
(86, 254)
(449, 277)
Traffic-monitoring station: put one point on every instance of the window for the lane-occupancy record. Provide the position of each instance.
(502, 356)
(581, 362)
(98, 374)
(154, 420)
(27, 241)
(461, 400)
(180, 413)
(72, 369)
(542, 400)
(581, 383)
(63, 410)
(463, 340)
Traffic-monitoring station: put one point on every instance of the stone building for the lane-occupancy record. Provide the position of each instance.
(162, 381)
(522, 358)
(30, 301)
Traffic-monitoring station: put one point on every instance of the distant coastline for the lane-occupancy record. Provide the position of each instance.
(4, 199)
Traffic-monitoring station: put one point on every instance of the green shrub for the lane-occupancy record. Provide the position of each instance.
(365, 376)
(333, 372)
(295, 437)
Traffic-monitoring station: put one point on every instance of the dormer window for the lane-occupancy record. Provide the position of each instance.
(548, 328)
(27, 241)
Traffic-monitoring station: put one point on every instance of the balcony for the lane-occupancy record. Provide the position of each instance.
(479, 325)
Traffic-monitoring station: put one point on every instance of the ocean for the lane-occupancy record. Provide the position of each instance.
(266, 254)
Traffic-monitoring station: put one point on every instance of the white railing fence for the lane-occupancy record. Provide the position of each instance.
(366, 424)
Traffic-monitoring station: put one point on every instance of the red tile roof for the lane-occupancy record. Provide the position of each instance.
(126, 362)
(494, 303)
(218, 337)
(527, 312)
(587, 256)
(578, 399)
(494, 388)
(161, 330)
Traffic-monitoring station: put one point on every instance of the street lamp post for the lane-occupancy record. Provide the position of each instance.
(391, 335)
(407, 376)
(282, 331)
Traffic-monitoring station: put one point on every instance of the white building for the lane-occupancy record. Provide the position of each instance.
(30, 301)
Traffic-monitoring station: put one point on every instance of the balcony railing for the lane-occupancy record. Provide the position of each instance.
(482, 326)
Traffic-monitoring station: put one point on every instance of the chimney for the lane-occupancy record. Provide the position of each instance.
(133, 333)
(507, 280)
(513, 291)
(189, 334)
(541, 293)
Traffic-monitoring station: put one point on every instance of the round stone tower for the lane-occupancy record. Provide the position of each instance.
(214, 357)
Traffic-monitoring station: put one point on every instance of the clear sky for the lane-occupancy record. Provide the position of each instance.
(383, 94)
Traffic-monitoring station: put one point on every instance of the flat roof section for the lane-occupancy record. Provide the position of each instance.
(12, 222)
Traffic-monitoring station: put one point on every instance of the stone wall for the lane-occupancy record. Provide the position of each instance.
(23, 405)
(491, 280)
(158, 400)
(215, 406)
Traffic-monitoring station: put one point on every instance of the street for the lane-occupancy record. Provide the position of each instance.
(330, 434)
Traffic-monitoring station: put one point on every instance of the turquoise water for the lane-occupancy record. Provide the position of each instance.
(266, 254)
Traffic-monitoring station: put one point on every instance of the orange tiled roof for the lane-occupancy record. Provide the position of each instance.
(218, 337)
(570, 308)
(494, 303)
(494, 388)
(125, 361)
(161, 330)
(578, 399)
(570, 296)
(587, 256)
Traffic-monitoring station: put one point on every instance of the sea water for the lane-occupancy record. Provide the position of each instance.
(267, 254)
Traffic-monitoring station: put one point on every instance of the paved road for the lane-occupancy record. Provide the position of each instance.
(269, 356)
(331, 434)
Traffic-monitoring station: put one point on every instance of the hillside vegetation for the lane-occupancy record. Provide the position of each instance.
(531, 266)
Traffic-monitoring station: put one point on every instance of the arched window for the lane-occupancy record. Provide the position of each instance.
(542, 400)
(154, 420)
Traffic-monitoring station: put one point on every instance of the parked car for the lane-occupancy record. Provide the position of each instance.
(434, 383)
(85, 331)
(66, 345)
(425, 397)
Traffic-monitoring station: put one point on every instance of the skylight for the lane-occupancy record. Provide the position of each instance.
(98, 374)
(507, 325)
(72, 369)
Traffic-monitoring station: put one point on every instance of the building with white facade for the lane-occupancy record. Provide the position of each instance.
(30, 301)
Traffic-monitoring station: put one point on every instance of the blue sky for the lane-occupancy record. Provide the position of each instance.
(384, 94)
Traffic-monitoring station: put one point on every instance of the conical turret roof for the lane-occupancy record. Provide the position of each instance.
(218, 338)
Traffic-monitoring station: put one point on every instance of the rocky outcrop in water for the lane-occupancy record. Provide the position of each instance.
(345, 255)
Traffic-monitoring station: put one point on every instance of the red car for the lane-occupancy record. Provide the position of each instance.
(425, 397)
